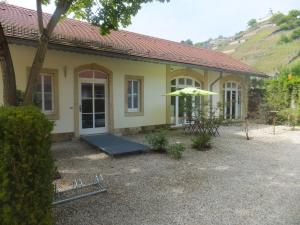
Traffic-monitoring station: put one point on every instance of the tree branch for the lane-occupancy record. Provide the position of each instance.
(40, 15)
(62, 7)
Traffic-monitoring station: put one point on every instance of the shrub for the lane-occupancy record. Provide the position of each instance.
(283, 93)
(296, 34)
(201, 142)
(158, 140)
(176, 150)
(284, 39)
(252, 23)
(26, 168)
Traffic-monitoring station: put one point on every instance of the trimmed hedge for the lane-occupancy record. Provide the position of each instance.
(26, 167)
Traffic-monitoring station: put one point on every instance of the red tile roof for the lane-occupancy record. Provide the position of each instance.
(21, 23)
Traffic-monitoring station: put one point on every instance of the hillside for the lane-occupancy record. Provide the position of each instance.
(260, 47)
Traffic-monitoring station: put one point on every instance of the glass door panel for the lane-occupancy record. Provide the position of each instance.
(233, 106)
(93, 107)
(99, 102)
(87, 105)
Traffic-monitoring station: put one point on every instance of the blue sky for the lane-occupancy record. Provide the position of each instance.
(195, 19)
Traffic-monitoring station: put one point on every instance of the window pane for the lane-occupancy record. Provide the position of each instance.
(181, 106)
(233, 85)
(87, 120)
(228, 100)
(181, 80)
(135, 102)
(239, 105)
(48, 101)
(47, 84)
(197, 105)
(197, 84)
(229, 85)
(99, 105)
(189, 82)
(173, 103)
(135, 87)
(173, 82)
(129, 102)
(233, 104)
(129, 87)
(87, 106)
(86, 90)
(99, 91)
(99, 120)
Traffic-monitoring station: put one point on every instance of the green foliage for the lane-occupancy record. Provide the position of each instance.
(201, 142)
(288, 22)
(296, 34)
(176, 150)
(283, 93)
(278, 19)
(284, 39)
(26, 168)
(158, 140)
(188, 42)
(252, 23)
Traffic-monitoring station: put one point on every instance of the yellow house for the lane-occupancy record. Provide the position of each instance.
(93, 84)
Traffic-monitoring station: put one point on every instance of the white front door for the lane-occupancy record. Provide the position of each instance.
(93, 105)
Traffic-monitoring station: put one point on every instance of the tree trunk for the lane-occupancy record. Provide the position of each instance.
(8, 72)
(36, 68)
(37, 65)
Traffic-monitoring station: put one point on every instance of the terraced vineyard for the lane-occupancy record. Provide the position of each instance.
(261, 49)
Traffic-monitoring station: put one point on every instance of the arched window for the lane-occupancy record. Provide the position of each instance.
(232, 92)
(178, 114)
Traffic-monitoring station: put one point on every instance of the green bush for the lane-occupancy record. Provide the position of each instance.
(296, 34)
(201, 142)
(158, 140)
(283, 93)
(26, 168)
(176, 150)
(284, 39)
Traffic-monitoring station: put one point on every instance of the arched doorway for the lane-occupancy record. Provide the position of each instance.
(178, 114)
(232, 92)
(92, 98)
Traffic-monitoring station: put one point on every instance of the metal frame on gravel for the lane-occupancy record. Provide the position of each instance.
(79, 190)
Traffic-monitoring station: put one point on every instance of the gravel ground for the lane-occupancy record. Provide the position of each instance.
(237, 182)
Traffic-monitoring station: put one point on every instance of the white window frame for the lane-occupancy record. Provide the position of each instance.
(42, 91)
(238, 103)
(131, 94)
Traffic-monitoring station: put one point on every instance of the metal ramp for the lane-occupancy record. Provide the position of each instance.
(114, 145)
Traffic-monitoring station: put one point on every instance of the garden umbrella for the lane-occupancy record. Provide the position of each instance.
(191, 91)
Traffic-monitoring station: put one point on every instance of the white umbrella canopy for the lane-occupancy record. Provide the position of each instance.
(191, 91)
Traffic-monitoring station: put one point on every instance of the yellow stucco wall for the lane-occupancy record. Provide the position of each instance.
(154, 78)
(155, 85)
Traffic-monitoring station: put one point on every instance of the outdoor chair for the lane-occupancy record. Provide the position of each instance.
(190, 126)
